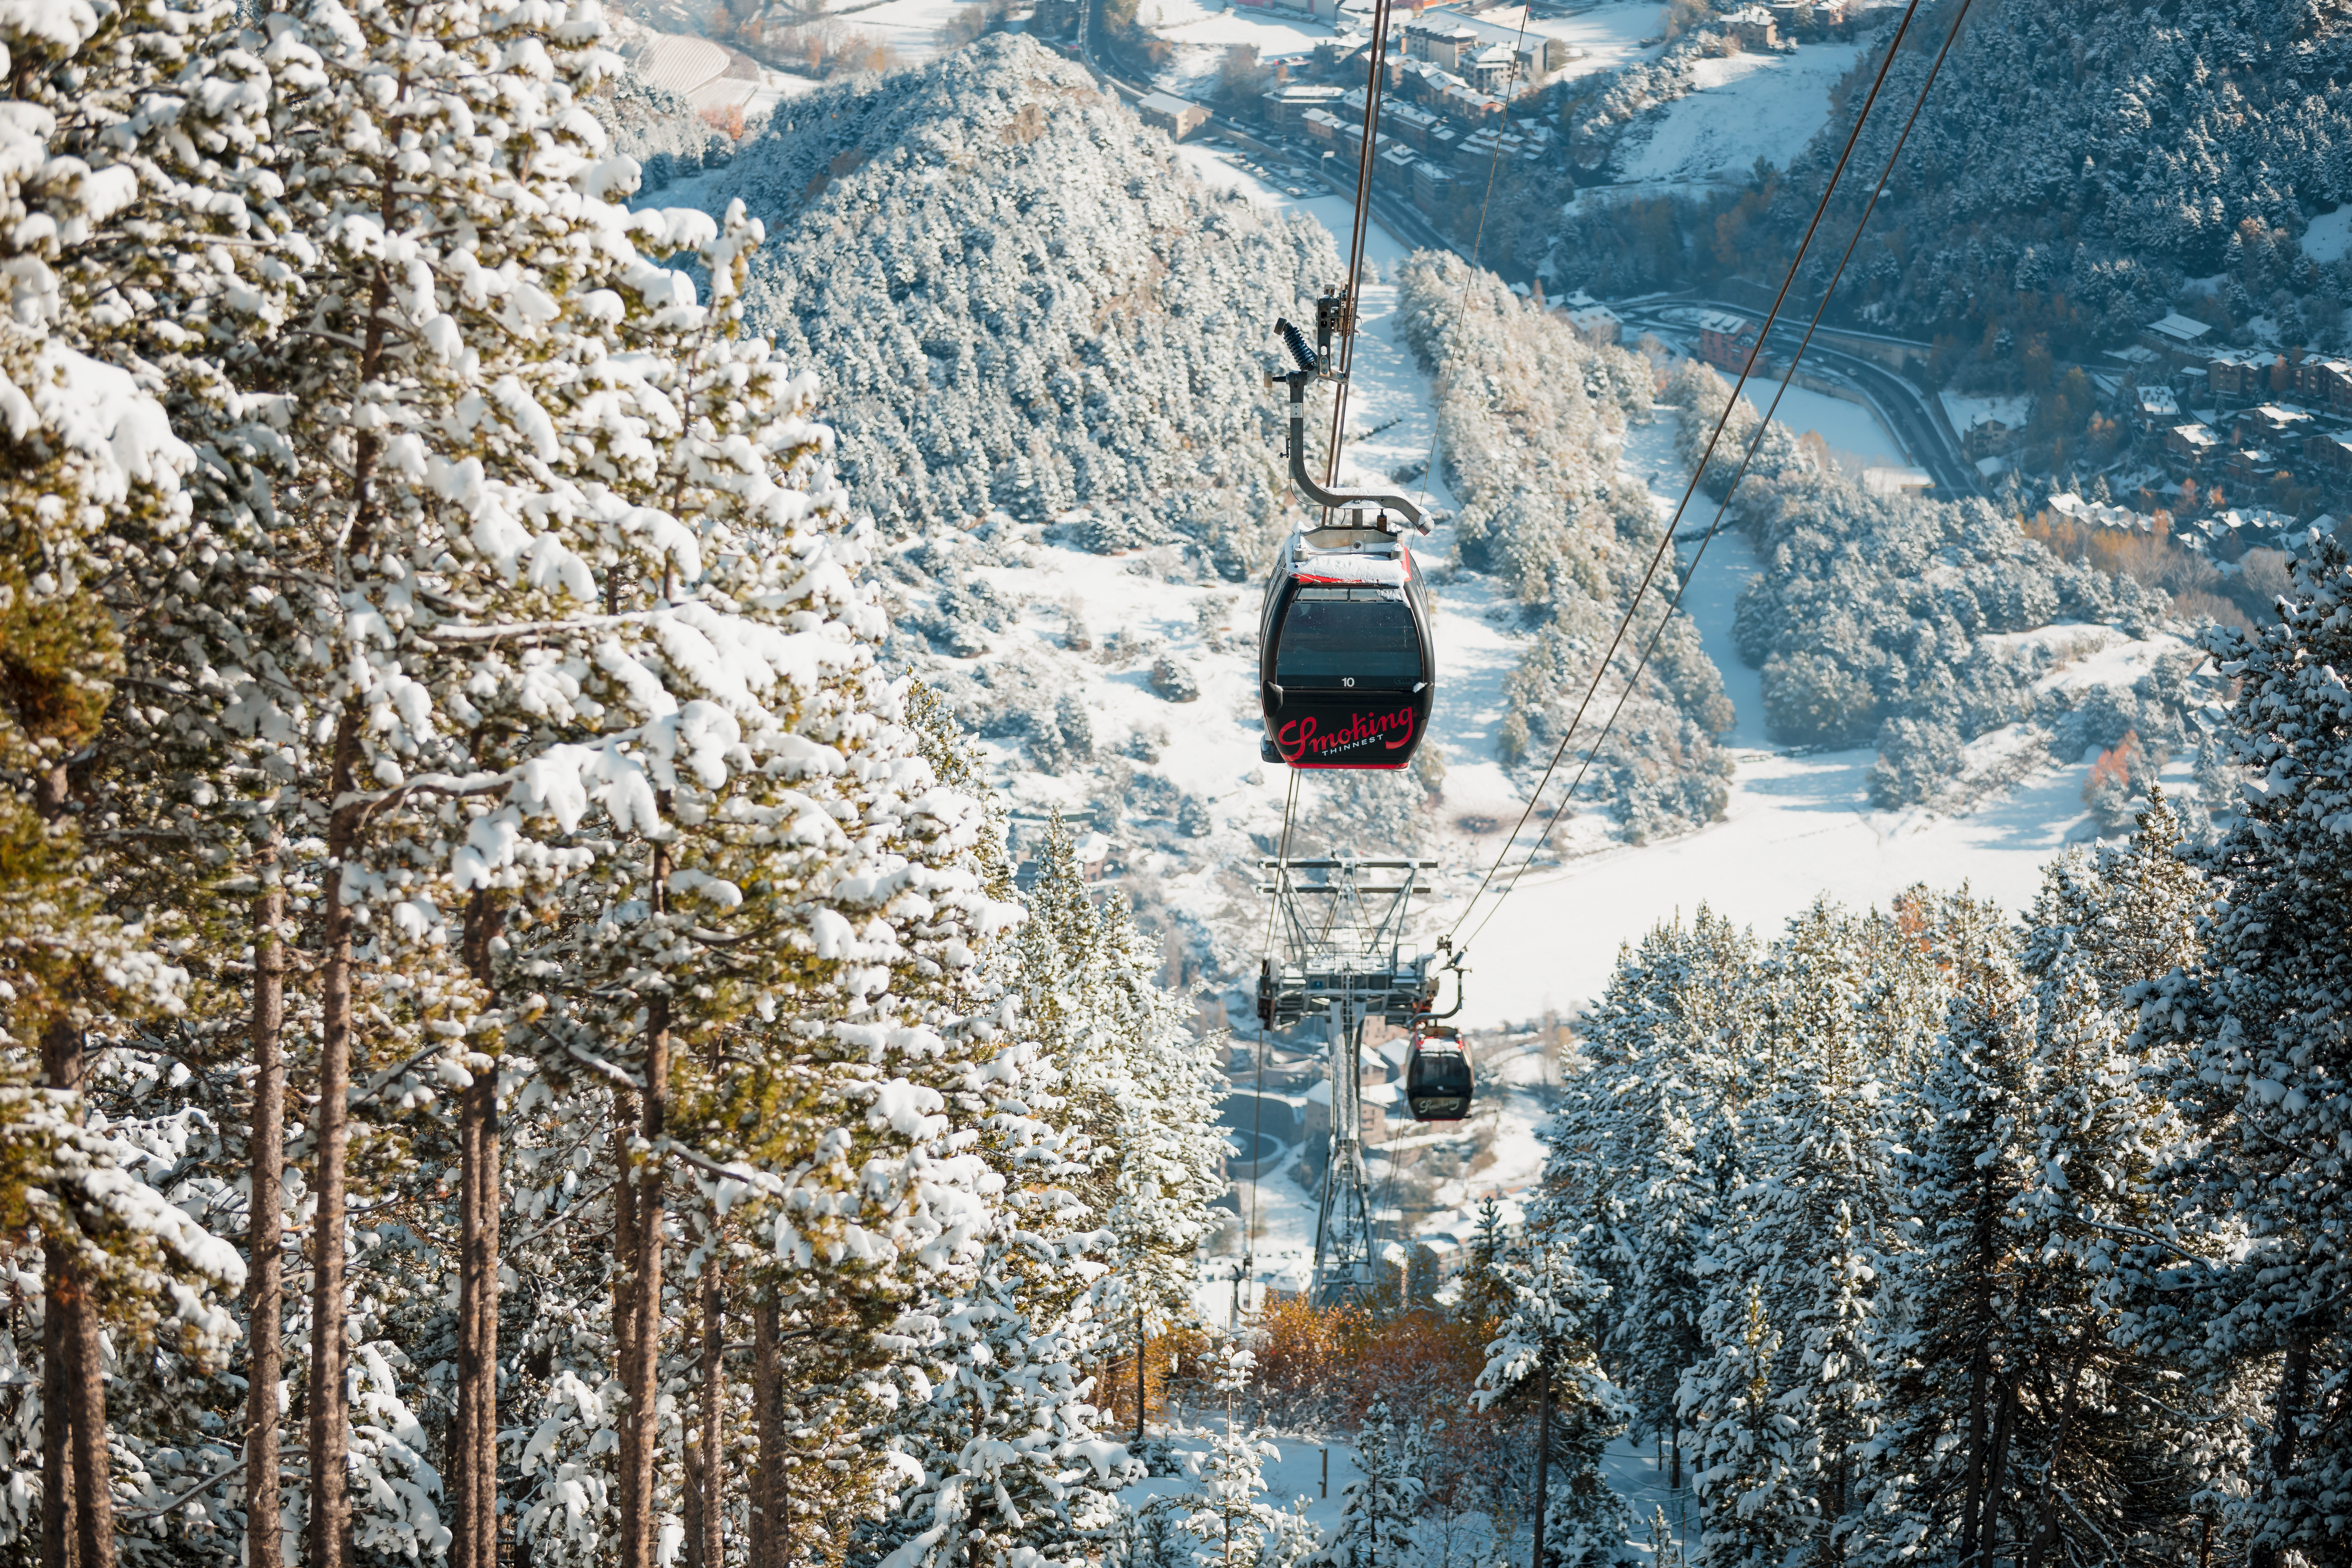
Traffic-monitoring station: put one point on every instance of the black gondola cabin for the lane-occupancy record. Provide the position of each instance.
(1437, 1078)
(1345, 662)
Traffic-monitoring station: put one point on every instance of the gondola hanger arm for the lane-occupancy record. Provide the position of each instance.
(1310, 367)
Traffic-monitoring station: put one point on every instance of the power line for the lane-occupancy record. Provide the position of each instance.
(1666, 537)
(1755, 443)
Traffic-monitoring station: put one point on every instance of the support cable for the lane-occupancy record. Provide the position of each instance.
(1361, 218)
(1755, 443)
(1666, 537)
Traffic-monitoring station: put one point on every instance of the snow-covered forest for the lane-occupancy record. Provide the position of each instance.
(1529, 421)
(1928, 1236)
(524, 1037)
(1918, 626)
(1026, 307)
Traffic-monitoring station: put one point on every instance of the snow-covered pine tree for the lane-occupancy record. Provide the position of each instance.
(2255, 1031)
(1939, 1476)
(1226, 1515)
(1814, 1231)
(1377, 1509)
(1137, 1085)
(1752, 1498)
(1541, 1367)
(119, 153)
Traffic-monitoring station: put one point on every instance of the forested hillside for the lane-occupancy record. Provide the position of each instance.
(2071, 169)
(1530, 421)
(1918, 626)
(1028, 306)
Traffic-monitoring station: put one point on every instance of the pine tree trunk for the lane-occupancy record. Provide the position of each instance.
(1543, 1465)
(57, 1428)
(266, 1226)
(714, 1389)
(79, 1361)
(771, 1526)
(625, 1296)
(475, 1467)
(2004, 1422)
(637, 1529)
(93, 1465)
(485, 1340)
(61, 1066)
(329, 1446)
(2048, 1527)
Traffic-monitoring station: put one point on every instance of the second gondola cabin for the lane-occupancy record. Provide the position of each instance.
(1438, 1083)
(1347, 662)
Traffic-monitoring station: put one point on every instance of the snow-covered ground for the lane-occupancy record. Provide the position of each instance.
(1747, 105)
(2329, 235)
(1201, 31)
(1851, 429)
(1318, 1472)
(913, 30)
(1608, 35)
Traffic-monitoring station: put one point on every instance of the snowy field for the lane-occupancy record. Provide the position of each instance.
(1608, 35)
(1201, 31)
(914, 30)
(1747, 105)
(1851, 429)
(2330, 237)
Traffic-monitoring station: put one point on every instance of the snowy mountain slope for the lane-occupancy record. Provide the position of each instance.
(1740, 108)
(1020, 304)
(2076, 162)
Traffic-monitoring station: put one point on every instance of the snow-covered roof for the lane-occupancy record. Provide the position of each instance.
(2158, 400)
(1723, 321)
(2196, 435)
(1889, 481)
(2179, 328)
(1166, 103)
(2067, 504)
(680, 64)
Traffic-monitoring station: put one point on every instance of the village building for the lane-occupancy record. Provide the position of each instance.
(1286, 105)
(2239, 372)
(1597, 324)
(2155, 407)
(2331, 453)
(2095, 514)
(2271, 422)
(2325, 382)
(2178, 336)
(1166, 111)
(1408, 124)
(1725, 339)
(2192, 442)
(1433, 186)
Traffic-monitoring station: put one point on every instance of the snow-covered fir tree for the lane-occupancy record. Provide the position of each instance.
(1378, 1507)
(1541, 1362)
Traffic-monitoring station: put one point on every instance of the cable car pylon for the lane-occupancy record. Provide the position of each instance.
(1342, 954)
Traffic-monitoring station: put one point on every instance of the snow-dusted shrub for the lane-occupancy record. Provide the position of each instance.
(1172, 680)
(1915, 757)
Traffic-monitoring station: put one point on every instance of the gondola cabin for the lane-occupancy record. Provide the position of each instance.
(1438, 1083)
(1346, 664)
